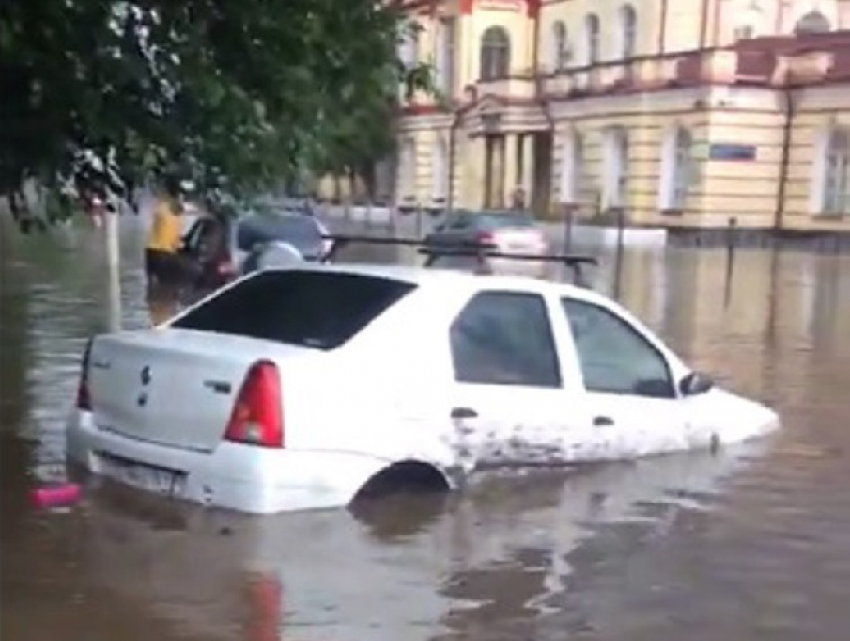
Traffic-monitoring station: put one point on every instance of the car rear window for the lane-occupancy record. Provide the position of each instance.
(507, 219)
(294, 228)
(322, 310)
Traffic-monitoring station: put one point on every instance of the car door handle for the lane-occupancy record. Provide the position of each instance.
(603, 421)
(463, 412)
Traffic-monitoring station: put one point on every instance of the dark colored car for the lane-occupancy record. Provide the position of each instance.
(253, 241)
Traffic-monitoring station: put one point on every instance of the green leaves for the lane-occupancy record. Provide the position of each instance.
(241, 93)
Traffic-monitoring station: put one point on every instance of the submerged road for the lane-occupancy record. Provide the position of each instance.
(750, 544)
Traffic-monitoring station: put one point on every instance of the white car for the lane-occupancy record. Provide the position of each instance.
(507, 232)
(305, 387)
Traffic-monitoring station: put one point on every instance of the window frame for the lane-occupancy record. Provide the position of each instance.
(440, 160)
(495, 54)
(617, 150)
(558, 371)
(812, 22)
(634, 330)
(572, 179)
(592, 34)
(743, 32)
(628, 31)
(559, 45)
(446, 54)
(409, 168)
(836, 177)
(682, 159)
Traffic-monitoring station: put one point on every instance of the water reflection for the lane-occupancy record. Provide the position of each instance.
(419, 561)
(161, 306)
(747, 544)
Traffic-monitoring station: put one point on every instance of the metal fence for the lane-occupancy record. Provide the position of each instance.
(397, 222)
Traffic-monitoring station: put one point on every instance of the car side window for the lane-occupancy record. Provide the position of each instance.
(614, 357)
(459, 222)
(505, 338)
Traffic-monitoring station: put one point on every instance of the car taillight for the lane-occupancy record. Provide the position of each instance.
(83, 395)
(257, 417)
(485, 238)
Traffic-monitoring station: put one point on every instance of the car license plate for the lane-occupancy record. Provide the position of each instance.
(142, 476)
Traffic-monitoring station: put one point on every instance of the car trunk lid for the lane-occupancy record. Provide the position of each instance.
(173, 387)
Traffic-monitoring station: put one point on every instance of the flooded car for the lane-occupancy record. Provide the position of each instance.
(506, 232)
(307, 387)
(254, 241)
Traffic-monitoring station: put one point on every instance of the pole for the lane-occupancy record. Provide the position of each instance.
(730, 259)
(113, 267)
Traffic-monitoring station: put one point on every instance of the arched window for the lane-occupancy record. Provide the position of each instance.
(591, 29)
(836, 188)
(628, 27)
(495, 54)
(812, 22)
(559, 45)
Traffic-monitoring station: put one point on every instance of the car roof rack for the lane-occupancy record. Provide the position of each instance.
(480, 251)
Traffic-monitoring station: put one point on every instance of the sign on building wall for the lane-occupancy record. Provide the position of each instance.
(731, 152)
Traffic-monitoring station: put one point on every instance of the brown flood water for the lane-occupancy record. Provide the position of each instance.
(753, 543)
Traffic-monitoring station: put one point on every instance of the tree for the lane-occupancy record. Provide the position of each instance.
(238, 95)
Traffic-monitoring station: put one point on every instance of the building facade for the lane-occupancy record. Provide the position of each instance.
(674, 113)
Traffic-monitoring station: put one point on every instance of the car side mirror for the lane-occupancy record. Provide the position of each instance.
(695, 383)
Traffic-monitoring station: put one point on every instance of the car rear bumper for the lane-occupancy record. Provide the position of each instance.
(239, 477)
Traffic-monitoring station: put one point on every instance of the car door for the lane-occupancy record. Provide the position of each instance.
(509, 403)
(630, 385)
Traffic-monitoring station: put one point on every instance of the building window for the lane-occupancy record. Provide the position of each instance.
(440, 170)
(628, 20)
(495, 54)
(616, 168)
(682, 167)
(407, 50)
(836, 187)
(408, 170)
(678, 169)
(572, 167)
(812, 22)
(591, 30)
(559, 46)
(743, 32)
(408, 45)
(445, 58)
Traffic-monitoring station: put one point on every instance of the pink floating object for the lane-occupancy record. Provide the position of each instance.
(56, 495)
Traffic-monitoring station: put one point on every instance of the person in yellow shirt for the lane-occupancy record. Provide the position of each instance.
(164, 264)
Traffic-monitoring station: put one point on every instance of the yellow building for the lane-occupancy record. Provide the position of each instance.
(681, 113)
